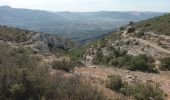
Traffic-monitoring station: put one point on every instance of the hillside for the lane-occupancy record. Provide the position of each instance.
(134, 39)
(159, 25)
(135, 53)
(30, 68)
(70, 24)
(40, 42)
(124, 65)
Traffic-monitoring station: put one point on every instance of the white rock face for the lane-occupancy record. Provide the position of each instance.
(39, 42)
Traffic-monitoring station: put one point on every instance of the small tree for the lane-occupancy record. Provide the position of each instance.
(114, 82)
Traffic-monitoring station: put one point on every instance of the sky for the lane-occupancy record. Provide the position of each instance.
(91, 5)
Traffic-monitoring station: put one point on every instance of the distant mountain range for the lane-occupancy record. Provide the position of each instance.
(81, 26)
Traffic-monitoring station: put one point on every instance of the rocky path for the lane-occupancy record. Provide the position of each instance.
(152, 45)
(102, 73)
(148, 43)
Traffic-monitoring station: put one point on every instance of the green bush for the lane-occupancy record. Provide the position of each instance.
(138, 91)
(120, 58)
(143, 91)
(64, 64)
(114, 82)
(119, 62)
(20, 77)
(142, 63)
(165, 63)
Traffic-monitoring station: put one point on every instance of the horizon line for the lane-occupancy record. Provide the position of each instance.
(81, 11)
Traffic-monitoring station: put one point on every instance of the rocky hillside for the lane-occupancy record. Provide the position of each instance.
(28, 75)
(135, 53)
(39, 42)
(129, 45)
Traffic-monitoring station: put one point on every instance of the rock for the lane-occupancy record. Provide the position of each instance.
(39, 42)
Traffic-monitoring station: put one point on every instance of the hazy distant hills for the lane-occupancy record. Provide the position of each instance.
(81, 26)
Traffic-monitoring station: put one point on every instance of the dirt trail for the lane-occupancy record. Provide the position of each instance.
(152, 45)
(147, 43)
(101, 73)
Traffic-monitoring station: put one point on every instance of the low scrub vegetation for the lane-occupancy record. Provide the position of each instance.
(165, 63)
(75, 56)
(114, 82)
(64, 64)
(160, 25)
(137, 91)
(121, 59)
(13, 34)
(22, 79)
(142, 63)
(73, 89)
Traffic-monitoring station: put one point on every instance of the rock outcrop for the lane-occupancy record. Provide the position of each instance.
(39, 42)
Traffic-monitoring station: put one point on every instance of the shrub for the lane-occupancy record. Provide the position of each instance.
(119, 62)
(139, 91)
(120, 58)
(143, 91)
(20, 77)
(165, 63)
(114, 82)
(73, 89)
(142, 63)
(64, 64)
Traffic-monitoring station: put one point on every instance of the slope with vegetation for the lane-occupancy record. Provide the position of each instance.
(133, 47)
(38, 41)
(25, 76)
(159, 25)
(141, 46)
(117, 51)
(38, 66)
(21, 78)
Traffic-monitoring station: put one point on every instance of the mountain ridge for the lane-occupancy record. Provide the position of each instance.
(70, 24)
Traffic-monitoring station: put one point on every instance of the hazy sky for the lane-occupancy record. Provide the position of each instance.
(91, 5)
